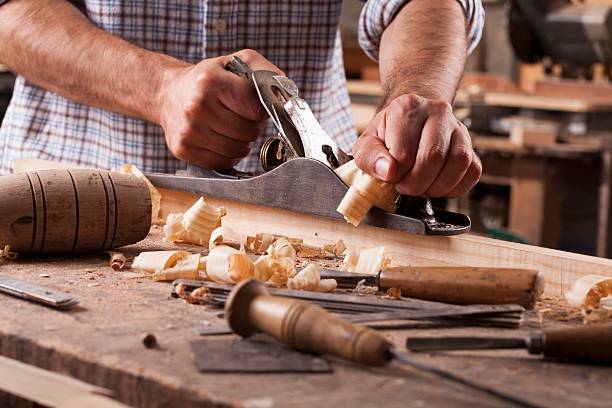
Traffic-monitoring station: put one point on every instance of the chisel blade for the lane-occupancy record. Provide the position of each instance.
(424, 344)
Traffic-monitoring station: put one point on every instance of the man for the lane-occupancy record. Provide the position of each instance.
(105, 82)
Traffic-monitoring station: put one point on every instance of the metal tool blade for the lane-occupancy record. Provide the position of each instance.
(423, 344)
(300, 185)
(449, 312)
(258, 354)
(35, 293)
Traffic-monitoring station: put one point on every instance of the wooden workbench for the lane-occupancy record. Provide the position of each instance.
(100, 342)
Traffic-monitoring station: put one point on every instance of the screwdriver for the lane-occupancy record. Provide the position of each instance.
(592, 344)
(250, 308)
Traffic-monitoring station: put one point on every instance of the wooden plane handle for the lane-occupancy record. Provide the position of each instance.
(589, 343)
(302, 325)
(465, 285)
(70, 211)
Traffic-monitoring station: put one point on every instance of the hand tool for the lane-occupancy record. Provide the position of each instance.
(583, 343)
(485, 315)
(250, 309)
(257, 354)
(72, 211)
(300, 167)
(453, 284)
(36, 293)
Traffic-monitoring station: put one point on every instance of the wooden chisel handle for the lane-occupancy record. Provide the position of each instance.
(465, 285)
(302, 325)
(589, 343)
(71, 211)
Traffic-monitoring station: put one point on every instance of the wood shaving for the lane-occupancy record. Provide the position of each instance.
(157, 261)
(117, 260)
(364, 192)
(350, 261)
(363, 289)
(185, 268)
(587, 291)
(606, 302)
(197, 296)
(282, 248)
(393, 293)
(309, 251)
(228, 265)
(224, 236)
(373, 260)
(155, 194)
(337, 249)
(595, 315)
(309, 279)
(7, 254)
(196, 225)
(275, 271)
(260, 242)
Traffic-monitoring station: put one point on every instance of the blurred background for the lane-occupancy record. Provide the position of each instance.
(537, 99)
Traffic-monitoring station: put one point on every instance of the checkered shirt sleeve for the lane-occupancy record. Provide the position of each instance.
(378, 14)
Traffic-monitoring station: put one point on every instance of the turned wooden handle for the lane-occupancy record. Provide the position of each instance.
(72, 211)
(302, 325)
(465, 285)
(590, 343)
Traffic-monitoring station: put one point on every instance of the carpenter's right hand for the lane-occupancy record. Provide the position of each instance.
(211, 116)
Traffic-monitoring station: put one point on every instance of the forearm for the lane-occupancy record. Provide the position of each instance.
(52, 44)
(423, 51)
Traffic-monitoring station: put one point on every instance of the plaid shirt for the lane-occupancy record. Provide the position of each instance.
(300, 37)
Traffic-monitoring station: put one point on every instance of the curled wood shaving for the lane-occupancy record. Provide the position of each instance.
(225, 236)
(196, 225)
(260, 242)
(309, 279)
(228, 265)
(197, 296)
(7, 254)
(394, 293)
(275, 271)
(337, 249)
(606, 302)
(282, 248)
(185, 268)
(350, 261)
(155, 194)
(587, 292)
(157, 261)
(117, 260)
(363, 289)
(364, 192)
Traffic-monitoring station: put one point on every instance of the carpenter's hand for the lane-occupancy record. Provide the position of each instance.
(211, 116)
(418, 145)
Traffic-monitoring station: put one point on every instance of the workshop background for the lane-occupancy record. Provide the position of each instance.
(537, 99)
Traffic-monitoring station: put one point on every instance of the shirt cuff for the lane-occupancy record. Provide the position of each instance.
(377, 15)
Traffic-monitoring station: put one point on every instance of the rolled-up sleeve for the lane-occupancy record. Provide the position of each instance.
(378, 14)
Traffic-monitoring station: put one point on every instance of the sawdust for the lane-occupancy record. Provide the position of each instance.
(7, 254)
(393, 293)
(197, 296)
(117, 260)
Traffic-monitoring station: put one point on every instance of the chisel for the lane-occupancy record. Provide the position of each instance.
(590, 343)
(453, 284)
(250, 308)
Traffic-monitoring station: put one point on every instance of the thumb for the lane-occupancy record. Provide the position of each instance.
(372, 156)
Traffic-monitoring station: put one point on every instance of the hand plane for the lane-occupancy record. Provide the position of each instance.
(299, 168)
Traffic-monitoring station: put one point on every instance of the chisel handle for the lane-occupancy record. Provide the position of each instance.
(301, 325)
(589, 343)
(72, 211)
(465, 285)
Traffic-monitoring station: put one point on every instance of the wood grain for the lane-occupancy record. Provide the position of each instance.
(559, 269)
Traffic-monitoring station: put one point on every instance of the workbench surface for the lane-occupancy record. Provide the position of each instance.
(100, 342)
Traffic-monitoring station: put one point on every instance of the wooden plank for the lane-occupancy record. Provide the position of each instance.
(51, 389)
(526, 101)
(560, 269)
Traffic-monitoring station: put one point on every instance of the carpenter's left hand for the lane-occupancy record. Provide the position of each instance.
(421, 147)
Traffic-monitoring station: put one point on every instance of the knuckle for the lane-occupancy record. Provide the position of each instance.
(205, 80)
(462, 157)
(441, 107)
(477, 169)
(248, 55)
(434, 154)
(408, 101)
